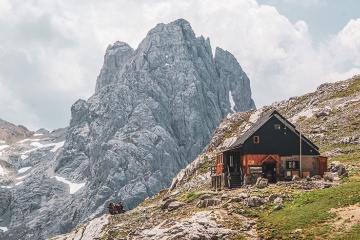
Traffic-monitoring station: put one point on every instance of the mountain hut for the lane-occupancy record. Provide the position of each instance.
(270, 149)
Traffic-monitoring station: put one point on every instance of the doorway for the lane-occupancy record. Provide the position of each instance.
(269, 171)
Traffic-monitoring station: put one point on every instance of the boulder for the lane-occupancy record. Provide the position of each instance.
(206, 196)
(337, 167)
(272, 197)
(165, 204)
(243, 195)
(277, 207)
(208, 203)
(296, 178)
(234, 199)
(224, 196)
(316, 177)
(278, 200)
(175, 205)
(254, 202)
(262, 182)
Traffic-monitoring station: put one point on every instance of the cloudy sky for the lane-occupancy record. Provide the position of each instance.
(51, 52)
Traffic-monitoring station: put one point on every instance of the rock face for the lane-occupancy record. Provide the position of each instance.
(154, 110)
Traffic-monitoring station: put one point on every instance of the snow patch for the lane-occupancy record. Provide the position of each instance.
(29, 140)
(57, 146)
(2, 142)
(232, 102)
(6, 187)
(23, 156)
(3, 171)
(40, 145)
(4, 229)
(74, 187)
(3, 147)
(38, 134)
(18, 183)
(20, 178)
(22, 170)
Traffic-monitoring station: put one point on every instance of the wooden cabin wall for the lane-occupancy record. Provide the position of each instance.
(280, 141)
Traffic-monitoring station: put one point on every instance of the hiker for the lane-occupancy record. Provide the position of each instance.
(120, 207)
(111, 208)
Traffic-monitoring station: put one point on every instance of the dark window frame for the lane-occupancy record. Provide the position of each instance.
(292, 164)
(256, 139)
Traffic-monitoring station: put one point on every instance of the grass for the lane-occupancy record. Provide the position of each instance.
(354, 87)
(310, 212)
(192, 196)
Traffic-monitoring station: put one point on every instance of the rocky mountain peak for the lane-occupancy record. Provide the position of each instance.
(154, 110)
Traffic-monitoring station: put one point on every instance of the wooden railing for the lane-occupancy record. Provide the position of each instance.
(213, 170)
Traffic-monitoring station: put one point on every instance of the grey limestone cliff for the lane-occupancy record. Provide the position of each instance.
(154, 110)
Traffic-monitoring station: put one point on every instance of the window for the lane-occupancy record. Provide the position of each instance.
(231, 161)
(277, 126)
(292, 164)
(256, 139)
(219, 159)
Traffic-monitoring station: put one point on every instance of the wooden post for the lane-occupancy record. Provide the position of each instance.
(300, 173)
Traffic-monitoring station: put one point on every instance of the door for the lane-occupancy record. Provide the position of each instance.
(322, 163)
(269, 171)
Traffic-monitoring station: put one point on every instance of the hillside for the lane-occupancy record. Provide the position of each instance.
(302, 210)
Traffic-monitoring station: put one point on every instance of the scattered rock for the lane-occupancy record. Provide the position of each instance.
(243, 195)
(278, 200)
(175, 193)
(277, 207)
(205, 196)
(316, 177)
(175, 205)
(234, 199)
(254, 202)
(272, 197)
(296, 178)
(337, 167)
(262, 182)
(166, 202)
(208, 203)
(297, 230)
(224, 196)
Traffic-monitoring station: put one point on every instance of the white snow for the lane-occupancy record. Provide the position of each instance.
(40, 145)
(38, 134)
(2, 142)
(232, 102)
(23, 156)
(3, 147)
(4, 229)
(57, 146)
(22, 170)
(74, 187)
(31, 140)
(20, 178)
(18, 183)
(2, 171)
(6, 187)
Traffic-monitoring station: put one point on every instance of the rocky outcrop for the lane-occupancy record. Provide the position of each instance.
(154, 110)
(10, 133)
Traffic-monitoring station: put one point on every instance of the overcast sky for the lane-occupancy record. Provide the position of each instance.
(51, 52)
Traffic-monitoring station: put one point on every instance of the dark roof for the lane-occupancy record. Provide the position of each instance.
(261, 121)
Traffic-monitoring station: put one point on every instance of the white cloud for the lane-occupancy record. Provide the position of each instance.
(51, 51)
